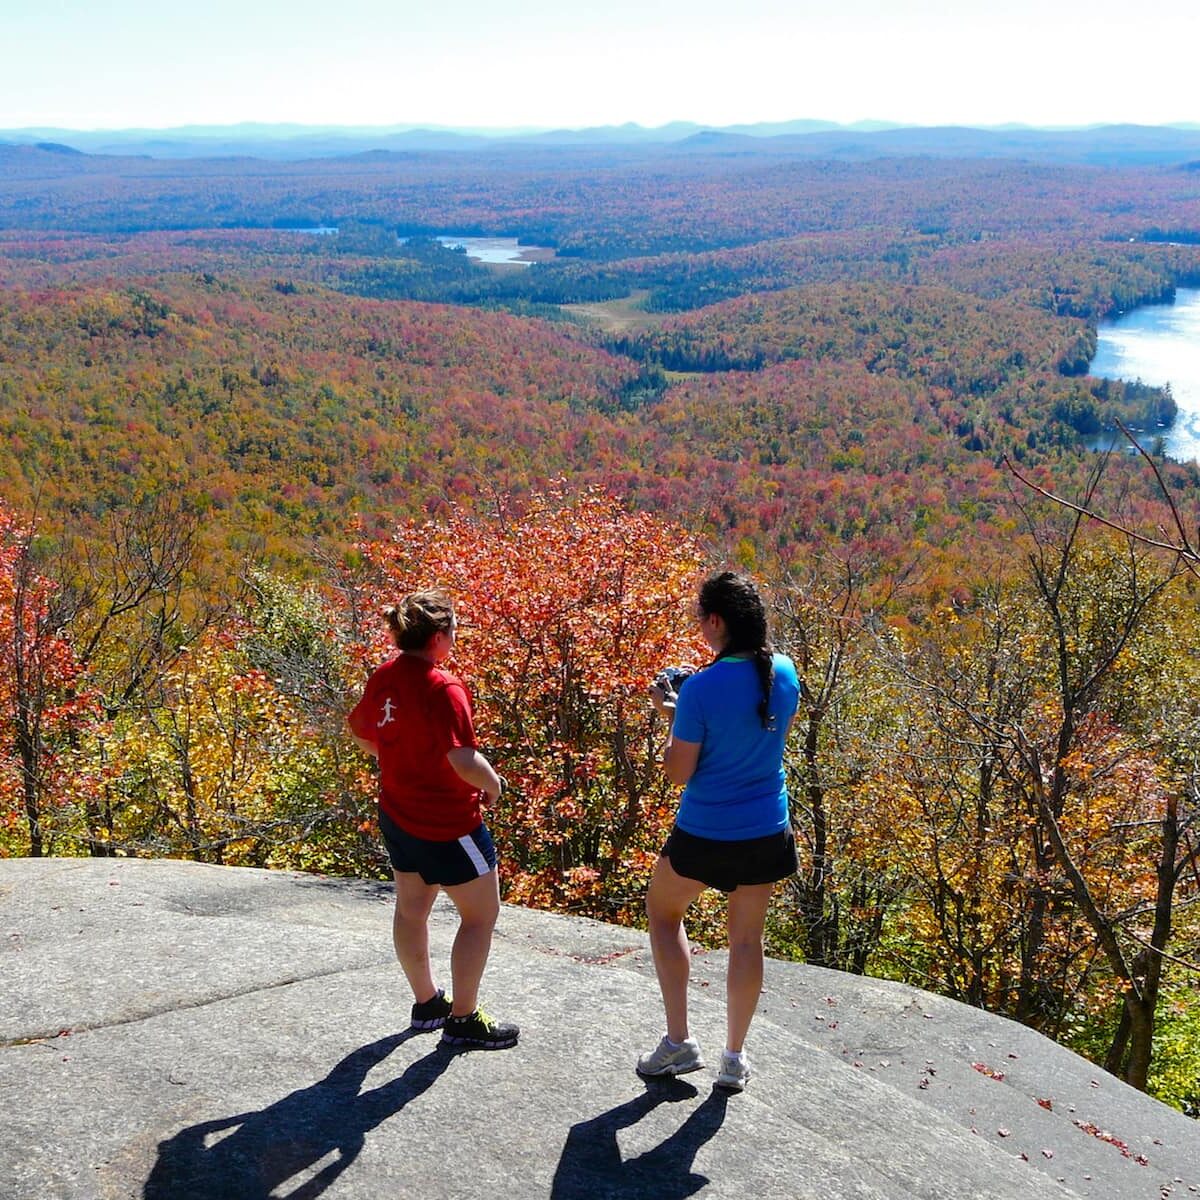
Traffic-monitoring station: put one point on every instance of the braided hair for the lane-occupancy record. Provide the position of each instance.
(735, 599)
(418, 617)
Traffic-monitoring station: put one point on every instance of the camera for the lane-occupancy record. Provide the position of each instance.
(670, 679)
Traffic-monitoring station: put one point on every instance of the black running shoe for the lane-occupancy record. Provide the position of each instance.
(432, 1013)
(479, 1031)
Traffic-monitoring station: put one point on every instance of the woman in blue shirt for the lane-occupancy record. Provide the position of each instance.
(729, 723)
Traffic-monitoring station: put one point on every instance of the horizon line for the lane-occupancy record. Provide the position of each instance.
(865, 125)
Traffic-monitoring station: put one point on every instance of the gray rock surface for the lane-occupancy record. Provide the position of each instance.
(170, 1030)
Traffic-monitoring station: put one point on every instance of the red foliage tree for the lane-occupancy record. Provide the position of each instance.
(567, 611)
(41, 701)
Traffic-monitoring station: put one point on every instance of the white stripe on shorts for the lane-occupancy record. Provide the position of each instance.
(477, 860)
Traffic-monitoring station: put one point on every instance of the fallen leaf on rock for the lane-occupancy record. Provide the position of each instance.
(1003, 1132)
(1105, 1136)
(1046, 1104)
(984, 1069)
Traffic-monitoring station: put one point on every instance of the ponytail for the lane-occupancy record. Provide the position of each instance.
(418, 617)
(735, 599)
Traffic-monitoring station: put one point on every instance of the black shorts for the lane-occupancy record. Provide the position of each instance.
(726, 865)
(445, 864)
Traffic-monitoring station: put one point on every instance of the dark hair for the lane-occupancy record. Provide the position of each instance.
(417, 618)
(735, 599)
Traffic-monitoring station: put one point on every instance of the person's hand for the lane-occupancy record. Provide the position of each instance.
(663, 700)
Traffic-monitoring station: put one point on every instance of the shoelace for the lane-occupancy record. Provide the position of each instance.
(487, 1022)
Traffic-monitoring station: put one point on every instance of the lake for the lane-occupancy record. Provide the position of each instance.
(497, 249)
(1159, 344)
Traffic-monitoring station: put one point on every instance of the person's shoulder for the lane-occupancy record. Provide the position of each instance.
(384, 671)
(785, 668)
(444, 681)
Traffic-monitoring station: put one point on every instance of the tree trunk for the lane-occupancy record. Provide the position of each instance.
(27, 749)
(1115, 1059)
(1141, 1040)
(820, 925)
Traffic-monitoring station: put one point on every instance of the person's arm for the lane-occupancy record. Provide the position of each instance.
(471, 767)
(360, 724)
(366, 747)
(679, 757)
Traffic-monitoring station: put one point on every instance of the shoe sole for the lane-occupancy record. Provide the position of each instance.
(429, 1023)
(731, 1085)
(476, 1044)
(671, 1070)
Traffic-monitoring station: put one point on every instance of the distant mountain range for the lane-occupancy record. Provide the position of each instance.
(1106, 145)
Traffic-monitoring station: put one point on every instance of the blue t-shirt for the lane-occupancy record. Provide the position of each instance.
(738, 789)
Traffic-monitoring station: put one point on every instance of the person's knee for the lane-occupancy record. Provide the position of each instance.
(747, 942)
(662, 908)
(479, 916)
(660, 914)
(480, 919)
(412, 917)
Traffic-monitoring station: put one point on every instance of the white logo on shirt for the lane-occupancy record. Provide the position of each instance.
(388, 715)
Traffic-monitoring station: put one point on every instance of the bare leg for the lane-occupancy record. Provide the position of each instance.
(667, 901)
(410, 931)
(743, 981)
(478, 904)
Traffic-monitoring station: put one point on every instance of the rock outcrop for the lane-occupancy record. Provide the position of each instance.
(170, 1030)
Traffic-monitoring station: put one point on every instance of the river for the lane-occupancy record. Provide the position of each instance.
(1159, 344)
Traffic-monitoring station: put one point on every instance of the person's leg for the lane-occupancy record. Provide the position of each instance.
(667, 901)
(410, 931)
(478, 904)
(743, 981)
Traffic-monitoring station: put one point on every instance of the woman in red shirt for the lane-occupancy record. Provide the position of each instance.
(415, 718)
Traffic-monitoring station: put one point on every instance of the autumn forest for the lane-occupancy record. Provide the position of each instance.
(244, 404)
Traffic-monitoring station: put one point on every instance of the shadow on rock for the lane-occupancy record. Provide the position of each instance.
(249, 1155)
(591, 1166)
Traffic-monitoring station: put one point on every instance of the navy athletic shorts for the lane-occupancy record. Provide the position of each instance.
(727, 865)
(446, 864)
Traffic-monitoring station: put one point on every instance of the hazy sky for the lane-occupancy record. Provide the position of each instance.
(83, 64)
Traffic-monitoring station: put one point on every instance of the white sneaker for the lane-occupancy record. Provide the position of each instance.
(734, 1072)
(666, 1059)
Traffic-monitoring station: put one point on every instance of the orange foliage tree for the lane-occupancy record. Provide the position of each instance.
(567, 611)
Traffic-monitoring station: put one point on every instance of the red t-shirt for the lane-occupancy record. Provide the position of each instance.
(415, 712)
